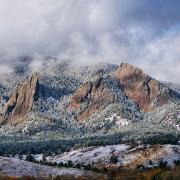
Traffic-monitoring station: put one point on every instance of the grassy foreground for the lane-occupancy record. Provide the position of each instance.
(153, 174)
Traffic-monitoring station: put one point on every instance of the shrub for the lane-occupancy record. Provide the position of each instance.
(113, 159)
(163, 164)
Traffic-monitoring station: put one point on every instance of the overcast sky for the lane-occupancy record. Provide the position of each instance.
(145, 33)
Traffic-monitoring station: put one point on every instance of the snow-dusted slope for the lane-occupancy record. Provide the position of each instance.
(174, 86)
(90, 155)
(128, 157)
(18, 168)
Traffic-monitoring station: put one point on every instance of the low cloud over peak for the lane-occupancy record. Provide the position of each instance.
(142, 32)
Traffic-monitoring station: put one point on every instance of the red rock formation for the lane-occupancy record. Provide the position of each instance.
(20, 102)
(141, 88)
(81, 94)
(146, 92)
(95, 94)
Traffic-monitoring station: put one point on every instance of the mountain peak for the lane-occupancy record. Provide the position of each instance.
(146, 92)
(126, 85)
(141, 88)
(128, 70)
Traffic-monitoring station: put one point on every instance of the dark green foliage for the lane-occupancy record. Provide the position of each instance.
(70, 163)
(30, 158)
(141, 167)
(163, 164)
(19, 146)
(20, 156)
(113, 159)
(150, 162)
(177, 162)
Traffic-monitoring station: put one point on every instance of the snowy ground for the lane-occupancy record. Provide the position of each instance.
(127, 157)
(18, 168)
(90, 155)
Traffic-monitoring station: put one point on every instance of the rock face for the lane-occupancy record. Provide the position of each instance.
(141, 88)
(20, 102)
(125, 82)
(93, 96)
(133, 83)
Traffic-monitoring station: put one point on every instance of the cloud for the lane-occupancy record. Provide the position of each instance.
(141, 32)
(36, 64)
(162, 58)
(4, 69)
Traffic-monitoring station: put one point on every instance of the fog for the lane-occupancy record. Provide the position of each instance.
(141, 32)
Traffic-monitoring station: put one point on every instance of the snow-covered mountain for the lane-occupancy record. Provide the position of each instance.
(95, 112)
(74, 99)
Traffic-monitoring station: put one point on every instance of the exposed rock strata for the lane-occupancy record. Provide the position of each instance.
(94, 95)
(20, 102)
(141, 88)
(145, 91)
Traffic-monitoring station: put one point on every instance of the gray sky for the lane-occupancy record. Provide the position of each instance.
(145, 33)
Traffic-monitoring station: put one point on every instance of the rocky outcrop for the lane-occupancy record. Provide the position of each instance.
(131, 83)
(92, 97)
(141, 88)
(20, 102)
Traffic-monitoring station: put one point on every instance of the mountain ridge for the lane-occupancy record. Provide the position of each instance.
(85, 100)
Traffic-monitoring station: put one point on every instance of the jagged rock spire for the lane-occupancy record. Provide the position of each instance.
(21, 101)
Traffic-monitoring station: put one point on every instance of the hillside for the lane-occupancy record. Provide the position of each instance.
(84, 116)
(103, 162)
(128, 157)
(16, 168)
(93, 98)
